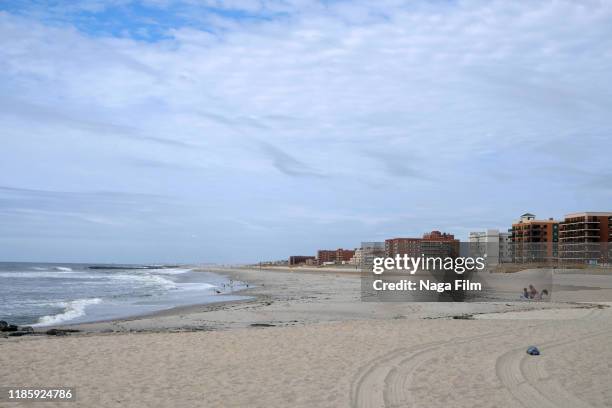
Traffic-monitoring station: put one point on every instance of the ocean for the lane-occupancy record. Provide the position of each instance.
(44, 294)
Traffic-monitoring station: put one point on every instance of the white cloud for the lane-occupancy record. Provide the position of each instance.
(456, 92)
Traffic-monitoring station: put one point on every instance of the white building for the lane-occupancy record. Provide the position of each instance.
(505, 247)
(367, 252)
(357, 259)
(493, 244)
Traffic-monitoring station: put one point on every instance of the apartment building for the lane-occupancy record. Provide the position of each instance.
(344, 255)
(534, 240)
(586, 237)
(367, 252)
(505, 247)
(326, 256)
(492, 244)
(299, 259)
(432, 244)
(439, 244)
(357, 258)
(401, 246)
(339, 256)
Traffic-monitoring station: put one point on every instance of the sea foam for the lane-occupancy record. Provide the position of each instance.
(72, 310)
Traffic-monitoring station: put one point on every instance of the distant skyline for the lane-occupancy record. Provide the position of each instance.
(237, 131)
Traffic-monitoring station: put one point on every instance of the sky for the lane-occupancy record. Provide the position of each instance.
(239, 131)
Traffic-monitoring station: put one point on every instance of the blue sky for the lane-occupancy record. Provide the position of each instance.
(235, 131)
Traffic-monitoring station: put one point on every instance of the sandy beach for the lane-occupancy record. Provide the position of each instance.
(306, 204)
(306, 339)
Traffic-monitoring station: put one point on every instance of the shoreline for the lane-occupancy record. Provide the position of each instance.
(281, 296)
(234, 272)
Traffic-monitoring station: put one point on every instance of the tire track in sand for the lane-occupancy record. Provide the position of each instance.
(527, 380)
(384, 381)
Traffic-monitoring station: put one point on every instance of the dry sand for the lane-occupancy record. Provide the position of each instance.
(327, 349)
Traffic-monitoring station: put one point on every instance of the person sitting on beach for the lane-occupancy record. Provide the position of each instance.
(543, 295)
(525, 294)
(532, 292)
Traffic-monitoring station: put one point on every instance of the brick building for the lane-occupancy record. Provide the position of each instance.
(338, 256)
(432, 244)
(326, 256)
(586, 237)
(534, 240)
(344, 255)
(401, 246)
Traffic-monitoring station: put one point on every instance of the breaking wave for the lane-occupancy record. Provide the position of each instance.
(72, 310)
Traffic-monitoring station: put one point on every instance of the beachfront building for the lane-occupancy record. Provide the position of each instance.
(534, 240)
(439, 244)
(344, 255)
(586, 237)
(369, 251)
(334, 256)
(432, 244)
(485, 244)
(492, 244)
(401, 246)
(295, 260)
(505, 247)
(326, 256)
(312, 262)
(357, 258)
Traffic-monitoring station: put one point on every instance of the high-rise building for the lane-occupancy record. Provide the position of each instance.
(534, 240)
(586, 237)
(505, 247)
(492, 244)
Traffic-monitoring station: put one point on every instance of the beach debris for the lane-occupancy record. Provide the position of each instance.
(533, 351)
(60, 332)
(19, 333)
(262, 325)
(14, 330)
(465, 316)
(5, 327)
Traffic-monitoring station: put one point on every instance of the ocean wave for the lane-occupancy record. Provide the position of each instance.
(143, 278)
(46, 274)
(55, 268)
(170, 271)
(72, 310)
(197, 286)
